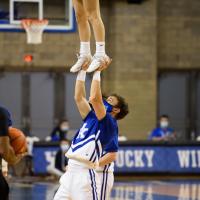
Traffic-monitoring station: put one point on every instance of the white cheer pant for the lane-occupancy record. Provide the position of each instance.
(78, 183)
(107, 180)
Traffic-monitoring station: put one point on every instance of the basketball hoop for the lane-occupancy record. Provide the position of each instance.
(34, 29)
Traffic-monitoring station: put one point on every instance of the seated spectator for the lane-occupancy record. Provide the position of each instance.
(59, 133)
(163, 132)
(58, 165)
(61, 160)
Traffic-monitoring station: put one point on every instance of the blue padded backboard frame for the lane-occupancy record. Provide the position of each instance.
(5, 25)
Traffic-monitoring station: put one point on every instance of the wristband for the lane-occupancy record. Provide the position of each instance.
(81, 75)
(97, 76)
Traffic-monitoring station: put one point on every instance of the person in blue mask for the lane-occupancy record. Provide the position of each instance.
(163, 132)
(99, 129)
(60, 132)
(61, 160)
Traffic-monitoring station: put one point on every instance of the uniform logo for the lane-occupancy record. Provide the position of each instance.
(82, 131)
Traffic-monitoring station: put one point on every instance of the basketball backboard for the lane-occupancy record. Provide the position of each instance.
(59, 13)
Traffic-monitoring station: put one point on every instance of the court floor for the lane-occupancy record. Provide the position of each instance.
(137, 190)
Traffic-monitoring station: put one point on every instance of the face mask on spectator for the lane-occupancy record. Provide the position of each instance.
(164, 124)
(64, 147)
(64, 128)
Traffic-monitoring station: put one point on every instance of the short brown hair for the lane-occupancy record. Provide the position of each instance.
(122, 105)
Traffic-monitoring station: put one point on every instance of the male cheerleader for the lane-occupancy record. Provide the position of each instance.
(99, 128)
(6, 151)
(105, 172)
(88, 12)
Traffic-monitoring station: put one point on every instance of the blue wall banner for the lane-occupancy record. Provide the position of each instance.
(44, 158)
(158, 159)
(135, 158)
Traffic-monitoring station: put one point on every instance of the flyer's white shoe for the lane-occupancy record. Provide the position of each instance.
(82, 59)
(96, 62)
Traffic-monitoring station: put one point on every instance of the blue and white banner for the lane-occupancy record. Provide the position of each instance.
(44, 159)
(158, 159)
(135, 159)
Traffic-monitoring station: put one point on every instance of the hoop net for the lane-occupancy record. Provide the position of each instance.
(34, 29)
